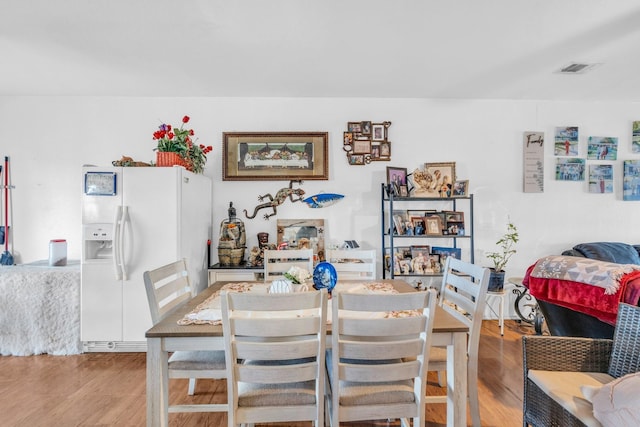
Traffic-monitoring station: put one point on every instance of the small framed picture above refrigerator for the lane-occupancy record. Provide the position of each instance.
(100, 183)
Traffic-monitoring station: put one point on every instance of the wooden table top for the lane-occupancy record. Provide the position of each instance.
(443, 322)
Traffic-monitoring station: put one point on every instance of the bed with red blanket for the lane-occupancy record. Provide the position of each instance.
(578, 293)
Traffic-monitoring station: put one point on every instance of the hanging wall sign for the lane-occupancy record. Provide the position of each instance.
(366, 142)
(533, 162)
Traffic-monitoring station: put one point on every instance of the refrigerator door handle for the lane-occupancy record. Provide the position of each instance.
(116, 243)
(126, 221)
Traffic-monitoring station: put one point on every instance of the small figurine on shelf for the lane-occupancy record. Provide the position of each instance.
(256, 257)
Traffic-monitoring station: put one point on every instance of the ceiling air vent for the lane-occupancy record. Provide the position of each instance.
(577, 68)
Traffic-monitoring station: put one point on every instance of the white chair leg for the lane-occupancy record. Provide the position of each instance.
(442, 379)
(192, 386)
(474, 405)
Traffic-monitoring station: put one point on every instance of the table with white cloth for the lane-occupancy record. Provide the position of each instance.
(197, 326)
(40, 309)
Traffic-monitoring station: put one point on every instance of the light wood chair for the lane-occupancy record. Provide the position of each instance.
(276, 263)
(377, 365)
(462, 293)
(275, 345)
(353, 263)
(168, 287)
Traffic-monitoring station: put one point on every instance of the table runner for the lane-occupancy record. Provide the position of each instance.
(208, 312)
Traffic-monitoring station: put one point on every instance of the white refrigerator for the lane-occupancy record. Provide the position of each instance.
(136, 219)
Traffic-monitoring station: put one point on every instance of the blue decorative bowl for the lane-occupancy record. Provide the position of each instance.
(325, 276)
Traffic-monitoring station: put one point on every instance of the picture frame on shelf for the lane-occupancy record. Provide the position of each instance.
(399, 223)
(275, 156)
(460, 188)
(445, 252)
(418, 225)
(404, 192)
(443, 175)
(433, 225)
(395, 178)
(454, 216)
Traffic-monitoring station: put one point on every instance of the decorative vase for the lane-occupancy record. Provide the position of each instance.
(170, 158)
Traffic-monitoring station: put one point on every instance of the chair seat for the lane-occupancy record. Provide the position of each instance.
(288, 394)
(197, 360)
(437, 355)
(564, 388)
(353, 393)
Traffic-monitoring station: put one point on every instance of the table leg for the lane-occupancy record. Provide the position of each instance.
(157, 384)
(457, 381)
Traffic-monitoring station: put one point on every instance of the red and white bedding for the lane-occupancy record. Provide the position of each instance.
(567, 282)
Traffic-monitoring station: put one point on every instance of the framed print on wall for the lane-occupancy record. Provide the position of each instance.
(631, 180)
(276, 156)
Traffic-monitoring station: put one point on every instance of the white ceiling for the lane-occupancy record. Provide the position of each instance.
(488, 49)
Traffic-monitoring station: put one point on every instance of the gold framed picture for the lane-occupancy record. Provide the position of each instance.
(276, 156)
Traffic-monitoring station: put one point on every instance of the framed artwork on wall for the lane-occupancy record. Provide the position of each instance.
(276, 156)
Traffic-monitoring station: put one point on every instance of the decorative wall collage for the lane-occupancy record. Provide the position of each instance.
(601, 151)
(365, 142)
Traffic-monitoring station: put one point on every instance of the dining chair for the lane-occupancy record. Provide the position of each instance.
(379, 356)
(462, 294)
(168, 287)
(353, 263)
(276, 262)
(275, 345)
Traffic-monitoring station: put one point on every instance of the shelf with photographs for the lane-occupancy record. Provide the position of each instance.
(419, 233)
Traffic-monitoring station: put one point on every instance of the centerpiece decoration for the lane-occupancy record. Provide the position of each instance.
(297, 275)
(176, 147)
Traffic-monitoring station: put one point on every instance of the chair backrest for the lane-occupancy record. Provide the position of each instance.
(625, 354)
(274, 342)
(353, 263)
(375, 348)
(463, 294)
(167, 288)
(276, 263)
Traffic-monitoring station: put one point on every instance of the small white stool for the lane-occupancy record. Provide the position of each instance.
(498, 294)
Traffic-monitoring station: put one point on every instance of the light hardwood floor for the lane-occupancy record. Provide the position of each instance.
(108, 389)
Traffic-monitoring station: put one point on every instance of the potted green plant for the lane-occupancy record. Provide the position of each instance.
(500, 258)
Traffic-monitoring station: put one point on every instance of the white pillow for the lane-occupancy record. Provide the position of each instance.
(616, 404)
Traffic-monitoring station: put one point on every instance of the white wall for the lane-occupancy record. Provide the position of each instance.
(49, 138)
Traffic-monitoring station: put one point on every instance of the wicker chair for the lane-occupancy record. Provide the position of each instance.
(610, 358)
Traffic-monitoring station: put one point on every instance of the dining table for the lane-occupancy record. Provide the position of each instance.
(174, 334)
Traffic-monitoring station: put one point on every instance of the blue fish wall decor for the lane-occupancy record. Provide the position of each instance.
(323, 200)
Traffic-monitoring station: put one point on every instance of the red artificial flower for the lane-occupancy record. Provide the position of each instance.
(185, 119)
